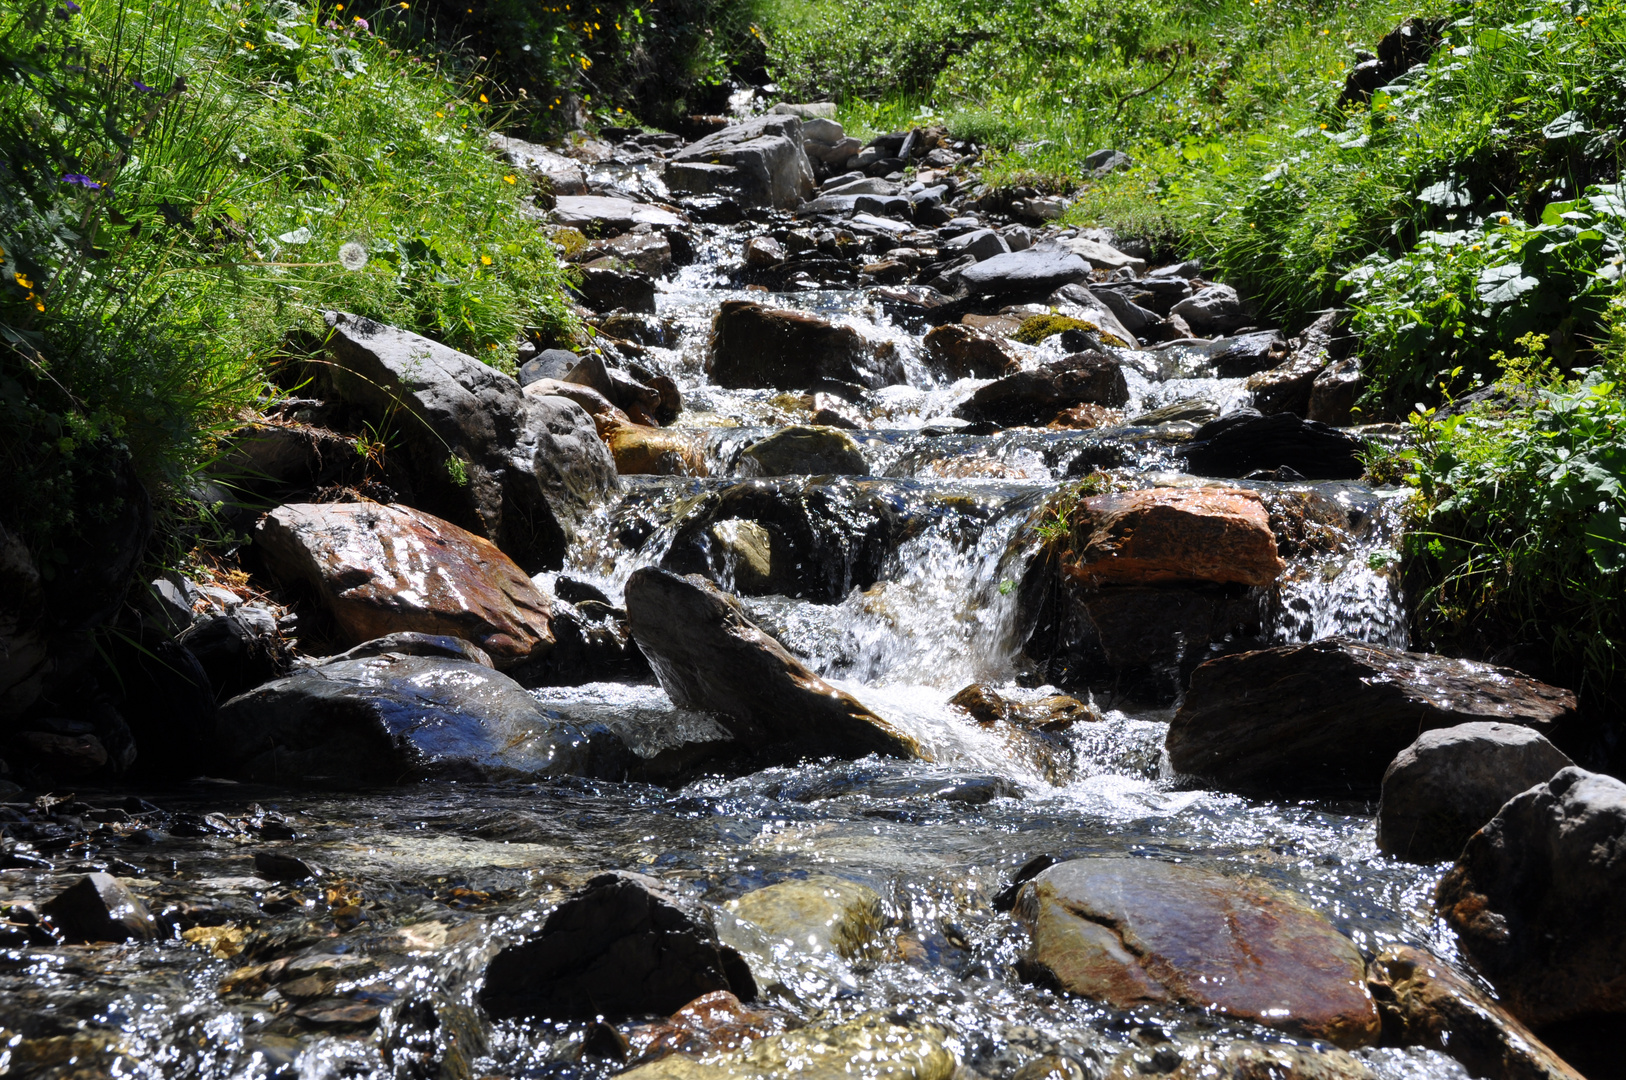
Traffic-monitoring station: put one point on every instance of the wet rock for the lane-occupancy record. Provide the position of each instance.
(1247, 354)
(563, 175)
(1034, 398)
(641, 449)
(959, 352)
(765, 160)
(594, 644)
(598, 215)
(1212, 310)
(384, 569)
(548, 364)
(1078, 302)
(1055, 713)
(1136, 931)
(1538, 901)
(1188, 410)
(409, 643)
(1287, 386)
(873, 1046)
(1443, 787)
(621, 945)
(528, 469)
(747, 550)
(1021, 272)
(237, 651)
(1331, 715)
(643, 402)
(1335, 391)
(1173, 536)
(799, 451)
(1425, 1003)
(755, 346)
(98, 907)
(1245, 441)
(819, 913)
(394, 718)
(709, 655)
(604, 289)
(280, 866)
(644, 250)
(711, 1023)
(763, 252)
(1234, 1060)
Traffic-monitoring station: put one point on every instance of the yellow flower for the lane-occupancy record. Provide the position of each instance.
(440, 114)
(249, 45)
(39, 305)
(22, 279)
(509, 179)
(1506, 219)
(1474, 248)
(483, 100)
(1323, 127)
(485, 260)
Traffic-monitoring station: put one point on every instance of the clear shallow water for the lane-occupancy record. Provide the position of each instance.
(423, 884)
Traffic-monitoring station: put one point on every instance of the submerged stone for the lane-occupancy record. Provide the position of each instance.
(819, 913)
(874, 1046)
(98, 907)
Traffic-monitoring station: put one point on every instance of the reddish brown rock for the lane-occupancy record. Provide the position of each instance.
(638, 448)
(1425, 1003)
(382, 569)
(710, 1023)
(1168, 536)
(1131, 932)
(962, 352)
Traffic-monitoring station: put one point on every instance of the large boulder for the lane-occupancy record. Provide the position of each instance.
(709, 655)
(381, 569)
(754, 347)
(804, 450)
(1538, 901)
(959, 352)
(1329, 716)
(622, 945)
(1443, 787)
(394, 717)
(603, 215)
(1035, 398)
(1245, 441)
(1425, 1003)
(1030, 272)
(765, 160)
(1133, 932)
(521, 471)
(1166, 536)
(563, 175)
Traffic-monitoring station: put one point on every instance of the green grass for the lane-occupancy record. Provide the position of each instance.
(188, 183)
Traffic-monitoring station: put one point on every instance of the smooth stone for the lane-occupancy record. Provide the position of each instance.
(1131, 932)
(564, 175)
(547, 364)
(411, 643)
(639, 449)
(816, 914)
(1538, 901)
(623, 944)
(1439, 790)
(708, 655)
(1214, 309)
(606, 289)
(1330, 715)
(873, 1046)
(1030, 271)
(1244, 441)
(1170, 536)
(279, 866)
(802, 450)
(394, 718)
(382, 569)
(1186, 1059)
(960, 352)
(98, 907)
(598, 214)
(1247, 354)
(1034, 398)
(1103, 256)
(754, 346)
(1425, 1003)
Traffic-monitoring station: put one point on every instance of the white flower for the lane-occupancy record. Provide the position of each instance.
(352, 256)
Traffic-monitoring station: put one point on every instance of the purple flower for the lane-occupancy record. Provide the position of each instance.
(70, 7)
(82, 180)
(362, 23)
(143, 87)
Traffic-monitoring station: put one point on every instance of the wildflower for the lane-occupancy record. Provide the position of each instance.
(22, 279)
(39, 305)
(82, 180)
(483, 100)
(403, 5)
(363, 23)
(485, 260)
(249, 45)
(440, 114)
(1506, 220)
(143, 87)
(352, 256)
(509, 179)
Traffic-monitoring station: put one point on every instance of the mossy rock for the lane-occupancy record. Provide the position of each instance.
(1037, 328)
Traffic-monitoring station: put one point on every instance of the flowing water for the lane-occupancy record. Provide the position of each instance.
(423, 884)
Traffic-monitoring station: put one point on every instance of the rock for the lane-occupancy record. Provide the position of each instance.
(639, 449)
(709, 1024)
(1102, 256)
(383, 569)
(547, 364)
(1031, 271)
(754, 346)
(1425, 1003)
(1409, 44)
(409, 643)
(747, 551)
(165, 703)
(563, 175)
(709, 655)
(1451, 781)
(763, 252)
(1131, 932)
(1538, 900)
(393, 718)
(860, 185)
(599, 215)
(98, 907)
(1078, 302)
(1246, 354)
(1187, 1059)
(1244, 442)
(872, 1046)
(644, 404)
(529, 469)
(621, 945)
(1215, 309)
(1107, 160)
(604, 289)
(1033, 398)
(237, 651)
(799, 451)
(980, 244)
(1332, 714)
(1058, 712)
(280, 866)
(816, 914)
(644, 250)
(959, 352)
(1189, 410)
(1130, 315)
(807, 111)
(765, 158)
(1286, 387)
(1335, 391)
(1167, 536)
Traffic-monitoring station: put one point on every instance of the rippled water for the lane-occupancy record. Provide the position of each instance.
(423, 884)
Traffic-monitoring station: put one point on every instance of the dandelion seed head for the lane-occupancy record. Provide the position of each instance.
(352, 256)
